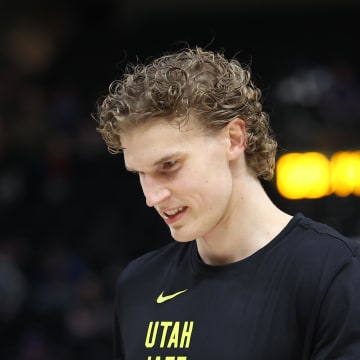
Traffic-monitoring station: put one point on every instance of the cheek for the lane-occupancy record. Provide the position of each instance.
(206, 182)
(214, 190)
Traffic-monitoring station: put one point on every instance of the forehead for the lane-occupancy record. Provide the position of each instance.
(151, 142)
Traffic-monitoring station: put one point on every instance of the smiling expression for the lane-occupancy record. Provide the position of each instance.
(184, 174)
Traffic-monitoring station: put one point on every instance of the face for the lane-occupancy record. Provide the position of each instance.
(185, 175)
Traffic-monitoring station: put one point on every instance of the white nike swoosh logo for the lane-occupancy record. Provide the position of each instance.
(161, 298)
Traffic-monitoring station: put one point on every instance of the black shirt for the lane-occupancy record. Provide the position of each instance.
(296, 298)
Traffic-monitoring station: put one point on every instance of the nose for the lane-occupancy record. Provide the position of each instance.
(155, 191)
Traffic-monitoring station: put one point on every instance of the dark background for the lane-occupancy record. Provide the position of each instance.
(70, 217)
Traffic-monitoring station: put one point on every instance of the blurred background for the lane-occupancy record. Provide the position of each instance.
(70, 216)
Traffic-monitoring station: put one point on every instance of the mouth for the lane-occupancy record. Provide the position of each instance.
(173, 215)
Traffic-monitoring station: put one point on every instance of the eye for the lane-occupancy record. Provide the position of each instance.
(169, 165)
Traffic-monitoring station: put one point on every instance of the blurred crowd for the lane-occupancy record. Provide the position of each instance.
(71, 217)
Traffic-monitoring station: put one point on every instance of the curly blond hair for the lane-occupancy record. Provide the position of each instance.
(214, 89)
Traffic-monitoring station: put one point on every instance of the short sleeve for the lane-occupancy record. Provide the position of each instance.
(338, 326)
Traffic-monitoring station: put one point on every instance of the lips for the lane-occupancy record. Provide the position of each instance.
(173, 212)
(172, 215)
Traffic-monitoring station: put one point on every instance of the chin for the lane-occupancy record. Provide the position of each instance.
(181, 237)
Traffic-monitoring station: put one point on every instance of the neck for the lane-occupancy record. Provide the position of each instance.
(250, 223)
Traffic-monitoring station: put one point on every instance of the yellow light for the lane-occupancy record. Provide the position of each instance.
(345, 173)
(303, 175)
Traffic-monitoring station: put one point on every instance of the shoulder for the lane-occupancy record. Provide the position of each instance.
(314, 253)
(154, 263)
(321, 240)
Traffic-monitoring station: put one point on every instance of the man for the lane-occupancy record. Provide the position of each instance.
(243, 280)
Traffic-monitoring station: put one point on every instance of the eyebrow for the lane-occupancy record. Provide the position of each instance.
(160, 161)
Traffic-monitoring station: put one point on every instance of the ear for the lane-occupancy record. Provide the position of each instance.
(235, 132)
